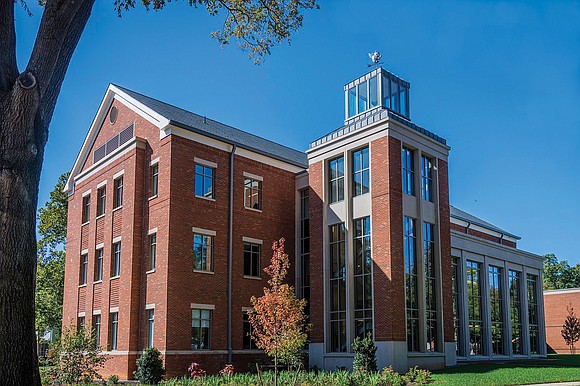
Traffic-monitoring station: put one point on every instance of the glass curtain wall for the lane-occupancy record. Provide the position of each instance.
(474, 299)
(363, 281)
(496, 309)
(337, 289)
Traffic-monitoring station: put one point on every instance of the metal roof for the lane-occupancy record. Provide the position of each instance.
(461, 215)
(208, 127)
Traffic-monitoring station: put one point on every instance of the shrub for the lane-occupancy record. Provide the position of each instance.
(113, 380)
(196, 371)
(150, 367)
(389, 377)
(227, 370)
(417, 376)
(365, 358)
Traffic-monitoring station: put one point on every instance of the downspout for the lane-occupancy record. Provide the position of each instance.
(467, 228)
(501, 239)
(230, 252)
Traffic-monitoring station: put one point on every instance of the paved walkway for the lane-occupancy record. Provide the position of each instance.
(557, 384)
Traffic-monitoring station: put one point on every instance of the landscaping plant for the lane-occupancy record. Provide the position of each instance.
(150, 369)
(571, 329)
(196, 371)
(365, 354)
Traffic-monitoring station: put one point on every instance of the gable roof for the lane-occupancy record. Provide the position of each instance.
(217, 130)
(461, 215)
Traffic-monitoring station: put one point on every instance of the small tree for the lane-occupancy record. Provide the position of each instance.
(571, 329)
(277, 317)
(77, 356)
(150, 369)
(365, 354)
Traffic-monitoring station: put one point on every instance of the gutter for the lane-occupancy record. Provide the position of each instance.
(230, 251)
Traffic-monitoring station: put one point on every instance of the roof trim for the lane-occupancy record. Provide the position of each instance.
(481, 223)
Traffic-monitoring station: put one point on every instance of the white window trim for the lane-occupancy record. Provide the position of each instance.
(253, 176)
(86, 193)
(203, 162)
(152, 231)
(199, 306)
(96, 312)
(113, 309)
(100, 246)
(202, 231)
(251, 240)
(154, 162)
(150, 306)
(118, 174)
(246, 309)
(81, 315)
(117, 240)
(85, 252)
(101, 184)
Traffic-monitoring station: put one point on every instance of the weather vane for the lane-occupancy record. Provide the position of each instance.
(375, 58)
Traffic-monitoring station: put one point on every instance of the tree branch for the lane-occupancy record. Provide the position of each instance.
(8, 66)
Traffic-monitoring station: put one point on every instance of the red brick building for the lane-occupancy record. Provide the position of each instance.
(556, 305)
(171, 218)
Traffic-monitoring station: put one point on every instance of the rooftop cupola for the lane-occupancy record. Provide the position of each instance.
(377, 89)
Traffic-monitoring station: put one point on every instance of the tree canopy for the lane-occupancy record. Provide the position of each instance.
(559, 274)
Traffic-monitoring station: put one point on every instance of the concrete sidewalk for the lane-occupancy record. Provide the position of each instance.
(557, 384)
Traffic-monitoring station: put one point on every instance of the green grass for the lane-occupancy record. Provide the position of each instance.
(556, 368)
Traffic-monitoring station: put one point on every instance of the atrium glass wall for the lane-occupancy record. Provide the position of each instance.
(360, 172)
(516, 312)
(305, 248)
(474, 299)
(430, 287)
(336, 179)
(363, 280)
(411, 285)
(337, 289)
(455, 284)
(496, 309)
(533, 320)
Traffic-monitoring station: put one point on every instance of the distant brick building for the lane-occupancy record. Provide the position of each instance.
(556, 306)
(171, 218)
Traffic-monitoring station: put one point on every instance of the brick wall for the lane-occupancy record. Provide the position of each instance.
(556, 310)
(316, 203)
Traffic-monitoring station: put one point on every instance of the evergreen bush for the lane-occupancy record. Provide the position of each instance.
(150, 369)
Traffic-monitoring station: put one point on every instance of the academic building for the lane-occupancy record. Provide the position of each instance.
(172, 216)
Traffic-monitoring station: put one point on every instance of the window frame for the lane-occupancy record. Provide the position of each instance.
(363, 171)
(252, 190)
(247, 332)
(335, 192)
(204, 176)
(154, 175)
(150, 327)
(114, 333)
(255, 259)
(408, 170)
(84, 269)
(412, 301)
(99, 254)
(152, 251)
(97, 328)
(118, 184)
(116, 260)
(207, 241)
(200, 335)
(427, 166)
(101, 200)
(86, 209)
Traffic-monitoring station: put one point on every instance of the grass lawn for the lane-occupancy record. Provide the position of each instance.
(556, 368)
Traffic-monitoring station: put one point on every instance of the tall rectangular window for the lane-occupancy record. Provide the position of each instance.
(351, 102)
(204, 181)
(496, 309)
(200, 329)
(114, 317)
(84, 265)
(404, 102)
(411, 284)
(150, 327)
(337, 289)
(455, 284)
(118, 192)
(152, 250)
(363, 280)
(248, 341)
(426, 178)
(373, 90)
(474, 299)
(99, 264)
(86, 208)
(253, 193)
(516, 311)
(101, 200)
(395, 105)
(202, 252)
(252, 259)
(97, 328)
(154, 173)
(532, 281)
(360, 171)
(363, 97)
(81, 323)
(386, 92)
(407, 158)
(430, 287)
(336, 179)
(305, 248)
(116, 266)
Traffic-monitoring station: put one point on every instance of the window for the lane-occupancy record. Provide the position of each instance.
(360, 171)
(404, 105)
(118, 192)
(395, 105)
(411, 284)
(363, 98)
(336, 182)
(81, 323)
(430, 287)
(408, 172)
(474, 300)
(337, 289)
(532, 281)
(373, 90)
(426, 179)
(86, 208)
(363, 280)
(248, 341)
(114, 330)
(150, 327)
(305, 249)
(97, 327)
(386, 92)
(101, 200)
(84, 265)
(99, 264)
(204, 181)
(351, 102)
(253, 193)
(455, 284)
(251, 259)
(496, 309)
(200, 329)
(154, 171)
(516, 312)
(152, 250)
(116, 266)
(202, 252)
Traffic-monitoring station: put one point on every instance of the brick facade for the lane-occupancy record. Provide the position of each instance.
(556, 305)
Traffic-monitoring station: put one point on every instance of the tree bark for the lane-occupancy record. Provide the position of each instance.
(27, 103)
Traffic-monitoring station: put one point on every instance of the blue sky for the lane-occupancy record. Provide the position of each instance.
(499, 80)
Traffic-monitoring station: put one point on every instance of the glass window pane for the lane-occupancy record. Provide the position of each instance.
(363, 99)
(351, 102)
(374, 96)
